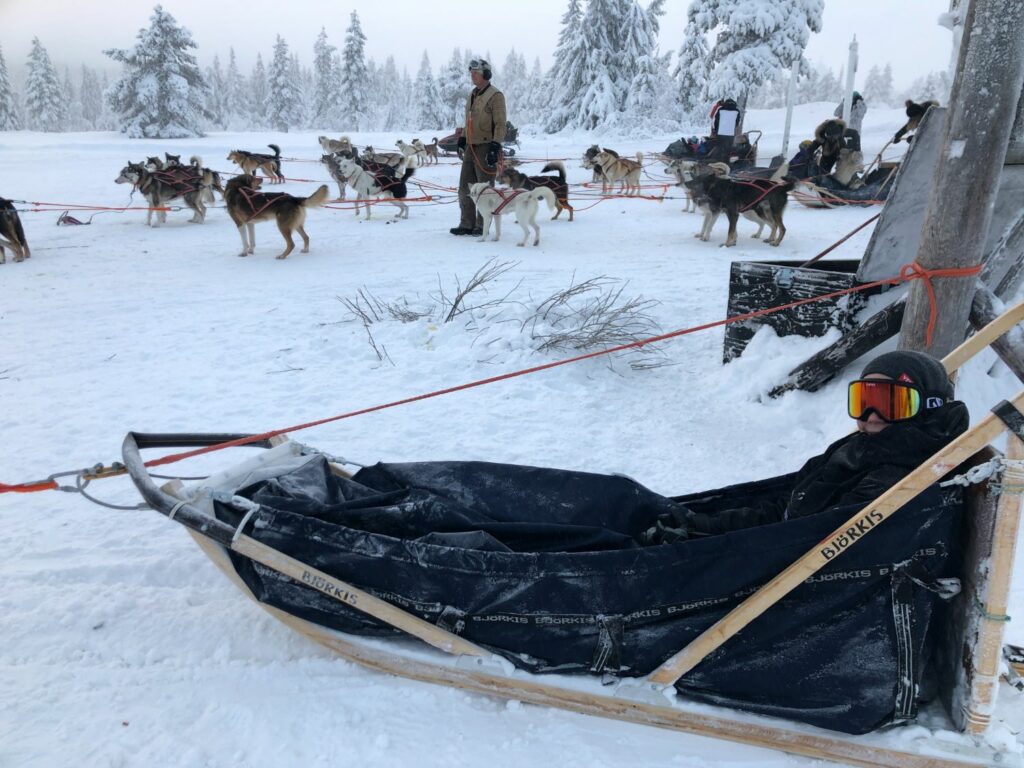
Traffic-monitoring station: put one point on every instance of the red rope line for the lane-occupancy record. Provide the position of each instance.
(908, 272)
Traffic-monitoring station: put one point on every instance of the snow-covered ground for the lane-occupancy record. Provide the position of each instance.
(120, 644)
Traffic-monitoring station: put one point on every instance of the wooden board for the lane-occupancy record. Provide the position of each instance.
(756, 731)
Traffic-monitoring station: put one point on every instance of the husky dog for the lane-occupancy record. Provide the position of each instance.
(246, 205)
(154, 164)
(161, 187)
(490, 204)
(383, 181)
(556, 184)
(250, 162)
(330, 146)
(171, 160)
(12, 235)
(591, 164)
(620, 170)
(759, 199)
(430, 151)
(332, 162)
(385, 158)
(409, 152)
(683, 170)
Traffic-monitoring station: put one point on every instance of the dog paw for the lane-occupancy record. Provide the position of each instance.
(282, 256)
(520, 245)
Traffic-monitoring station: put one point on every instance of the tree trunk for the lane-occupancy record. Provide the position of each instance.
(989, 79)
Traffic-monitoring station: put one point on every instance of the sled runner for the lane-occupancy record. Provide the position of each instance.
(515, 570)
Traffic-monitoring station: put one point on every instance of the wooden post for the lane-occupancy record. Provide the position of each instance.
(987, 648)
(989, 79)
(1015, 152)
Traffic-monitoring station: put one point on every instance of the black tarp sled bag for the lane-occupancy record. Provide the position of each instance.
(542, 567)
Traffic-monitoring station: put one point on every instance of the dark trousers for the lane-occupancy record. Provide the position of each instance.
(474, 170)
(722, 149)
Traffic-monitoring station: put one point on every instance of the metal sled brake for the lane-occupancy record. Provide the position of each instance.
(971, 646)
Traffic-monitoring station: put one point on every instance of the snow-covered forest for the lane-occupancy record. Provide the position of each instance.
(608, 72)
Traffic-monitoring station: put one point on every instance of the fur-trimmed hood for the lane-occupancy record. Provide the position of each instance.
(819, 132)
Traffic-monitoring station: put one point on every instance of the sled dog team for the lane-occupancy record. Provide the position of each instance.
(384, 176)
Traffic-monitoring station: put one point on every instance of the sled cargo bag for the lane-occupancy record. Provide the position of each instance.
(542, 566)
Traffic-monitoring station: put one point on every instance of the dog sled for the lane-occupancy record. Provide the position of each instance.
(516, 577)
(825, 192)
(450, 144)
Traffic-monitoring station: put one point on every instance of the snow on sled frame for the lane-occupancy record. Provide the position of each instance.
(468, 666)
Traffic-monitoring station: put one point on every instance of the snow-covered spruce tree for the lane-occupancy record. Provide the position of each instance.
(45, 108)
(426, 98)
(216, 94)
(648, 97)
(284, 101)
(453, 86)
(92, 99)
(513, 84)
(567, 77)
(9, 117)
(161, 93)
(304, 80)
(393, 114)
(326, 83)
(607, 71)
(754, 40)
(692, 69)
(536, 97)
(354, 76)
(235, 102)
(72, 103)
(259, 93)
(877, 89)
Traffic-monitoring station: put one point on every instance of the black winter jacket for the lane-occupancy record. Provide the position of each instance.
(855, 469)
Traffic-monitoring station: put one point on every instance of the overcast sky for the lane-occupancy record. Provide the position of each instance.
(903, 32)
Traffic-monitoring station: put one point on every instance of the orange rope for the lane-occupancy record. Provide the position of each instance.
(913, 271)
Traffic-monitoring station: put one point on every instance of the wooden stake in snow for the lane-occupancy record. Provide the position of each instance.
(989, 78)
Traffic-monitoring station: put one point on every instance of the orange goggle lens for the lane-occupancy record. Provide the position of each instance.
(891, 400)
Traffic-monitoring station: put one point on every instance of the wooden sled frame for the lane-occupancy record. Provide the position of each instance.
(652, 701)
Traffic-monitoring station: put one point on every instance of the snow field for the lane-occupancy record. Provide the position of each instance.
(120, 644)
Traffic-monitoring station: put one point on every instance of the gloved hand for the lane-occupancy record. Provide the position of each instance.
(669, 528)
(461, 142)
(896, 139)
(493, 153)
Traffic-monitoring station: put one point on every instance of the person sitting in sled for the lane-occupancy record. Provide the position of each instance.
(905, 411)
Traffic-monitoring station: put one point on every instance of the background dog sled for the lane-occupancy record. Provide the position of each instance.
(968, 653)
(894, 242)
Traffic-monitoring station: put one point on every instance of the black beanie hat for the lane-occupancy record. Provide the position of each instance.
(923, 370)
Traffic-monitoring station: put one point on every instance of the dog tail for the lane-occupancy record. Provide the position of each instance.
(277, 150)
(556, 165)
(640, 157)
(780, 172)
(317, 199)
(545, 194)
(196, 161)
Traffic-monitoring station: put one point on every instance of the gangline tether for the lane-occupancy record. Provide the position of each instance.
(908, 272)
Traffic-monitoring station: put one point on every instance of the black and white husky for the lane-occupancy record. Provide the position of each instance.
(383, 182)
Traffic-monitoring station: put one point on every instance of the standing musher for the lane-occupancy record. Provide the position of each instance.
(725, 116)
(482, 134)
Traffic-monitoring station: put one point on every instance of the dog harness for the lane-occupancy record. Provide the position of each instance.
(507, 196)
